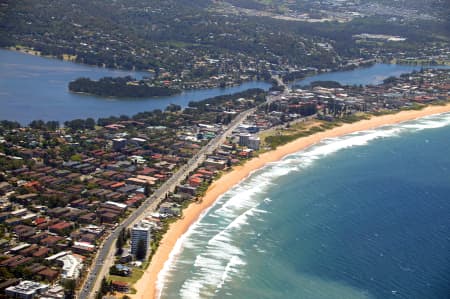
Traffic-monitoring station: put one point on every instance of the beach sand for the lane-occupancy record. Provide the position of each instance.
(146, 286)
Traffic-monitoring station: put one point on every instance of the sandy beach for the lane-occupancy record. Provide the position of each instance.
(146, 286)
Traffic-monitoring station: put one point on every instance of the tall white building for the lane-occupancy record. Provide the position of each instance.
(141, 231)
(253, 143)
(249, 141)
(244, 138)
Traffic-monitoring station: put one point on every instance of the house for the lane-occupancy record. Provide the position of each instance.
(49, 274)
(169, 208)
(134, 200)
(35, 268)
(19, 247)
(42, 252)
(126, 257)
(60, 227)
(38, 237)
(55, 292)
(21, 262)
(5, 187)
(122, 270)
(29, 250)
(8, 283)
(119, 144)
(109, 217)
(187, 189)
(215, 164)
(24, 231)
(121, 287)
(83, 248)
(51, 241)
(87, 218)
(7, 262)
(195, 181)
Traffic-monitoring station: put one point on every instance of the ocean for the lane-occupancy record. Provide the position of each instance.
(366, 215)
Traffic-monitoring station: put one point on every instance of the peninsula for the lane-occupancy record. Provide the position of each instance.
(120, 87)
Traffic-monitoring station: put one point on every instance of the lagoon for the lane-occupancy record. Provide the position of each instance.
(372, 75)
(33, 87)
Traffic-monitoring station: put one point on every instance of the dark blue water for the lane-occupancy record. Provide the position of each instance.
(362, 216)
(34, 87)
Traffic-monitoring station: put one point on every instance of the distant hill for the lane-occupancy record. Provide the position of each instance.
(195, 38)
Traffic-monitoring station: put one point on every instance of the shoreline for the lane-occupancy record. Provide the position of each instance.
(147, 286)
(70, 58)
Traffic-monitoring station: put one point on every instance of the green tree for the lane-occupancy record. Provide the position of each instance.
(121, 240)
(69, 288)
(90, 123)
(147, 190)
(104, 287)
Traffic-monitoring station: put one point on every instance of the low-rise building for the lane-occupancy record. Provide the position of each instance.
(120, 286)
(72, 265)
(26, 290)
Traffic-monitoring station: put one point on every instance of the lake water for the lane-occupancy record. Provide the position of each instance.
(361, 216)
(373, 75)
(34, 87)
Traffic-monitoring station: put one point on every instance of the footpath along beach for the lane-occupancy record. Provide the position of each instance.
(147, 286)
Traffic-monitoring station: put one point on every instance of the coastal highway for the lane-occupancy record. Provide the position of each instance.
(105, 255)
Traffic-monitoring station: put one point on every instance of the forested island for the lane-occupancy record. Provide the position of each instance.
(120, 87)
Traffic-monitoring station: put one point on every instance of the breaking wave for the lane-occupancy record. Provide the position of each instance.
(212, 245)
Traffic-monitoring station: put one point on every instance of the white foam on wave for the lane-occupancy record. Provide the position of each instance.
(169, 264)
(219, 260)
(231, 267)
(217, 254)
(429, 122)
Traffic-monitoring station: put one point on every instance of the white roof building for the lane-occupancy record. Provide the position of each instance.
(26, 289)
(117, 204)
(72, 266)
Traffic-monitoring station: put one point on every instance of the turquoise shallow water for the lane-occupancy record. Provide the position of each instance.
(360, 216)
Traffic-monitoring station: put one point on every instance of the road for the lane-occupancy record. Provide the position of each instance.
(105, 255)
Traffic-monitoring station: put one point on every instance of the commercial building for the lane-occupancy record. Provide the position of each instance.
(72, 266)
(26, 290)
